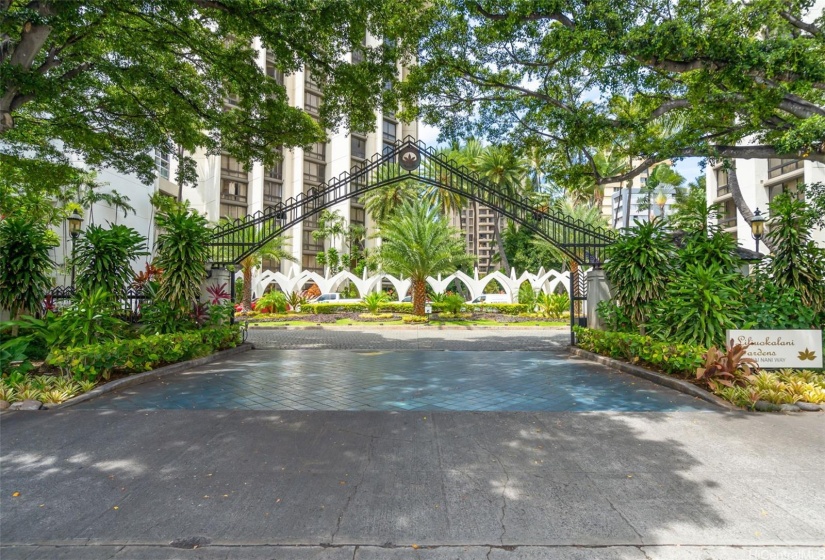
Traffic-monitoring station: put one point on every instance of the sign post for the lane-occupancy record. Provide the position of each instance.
(781, 348)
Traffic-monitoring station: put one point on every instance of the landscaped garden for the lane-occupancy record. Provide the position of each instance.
(677, 288)
(51, 353)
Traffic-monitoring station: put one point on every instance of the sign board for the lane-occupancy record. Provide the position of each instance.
(782, 349)
(428, 309)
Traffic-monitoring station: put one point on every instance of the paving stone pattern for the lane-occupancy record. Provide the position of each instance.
(400, 380)
(411, 338)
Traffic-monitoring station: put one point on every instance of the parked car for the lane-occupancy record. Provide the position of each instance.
(491, 298)
(334, 297)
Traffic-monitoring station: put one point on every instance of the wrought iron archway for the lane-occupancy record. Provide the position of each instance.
(581, 243)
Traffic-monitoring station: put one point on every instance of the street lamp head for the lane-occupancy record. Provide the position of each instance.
(757, 225)
(75, 221)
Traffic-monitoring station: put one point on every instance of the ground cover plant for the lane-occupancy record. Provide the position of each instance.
(726, 372)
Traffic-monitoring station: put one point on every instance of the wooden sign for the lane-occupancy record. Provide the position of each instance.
(782, 348)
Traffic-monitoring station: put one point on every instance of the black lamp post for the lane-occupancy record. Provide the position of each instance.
(75, 221)
(757, 227)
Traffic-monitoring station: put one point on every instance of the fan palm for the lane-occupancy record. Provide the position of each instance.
(418, 242)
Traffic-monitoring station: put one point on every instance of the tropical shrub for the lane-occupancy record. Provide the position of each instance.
(526, 295)
(295, 300)
(796, 261)
(159, 316)
(699, 305)
(553, 305)
(92, 318)
(711, 248)
(639, 267)
(25, 264)
(272, 302)
(676, 359)
(103, 258)
(767, 306)
(726, 369)
(614, 317)
(373, 301)
(453, 303)
(415, 319)
(182, 252)
(14, 356)
(96, 361)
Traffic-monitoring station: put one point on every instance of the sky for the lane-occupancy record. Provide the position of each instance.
(689, 168)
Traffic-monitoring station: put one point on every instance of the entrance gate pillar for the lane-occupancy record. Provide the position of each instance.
(217, 277)
(597, 290)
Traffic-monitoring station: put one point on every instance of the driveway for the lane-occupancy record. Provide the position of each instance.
(420, 484)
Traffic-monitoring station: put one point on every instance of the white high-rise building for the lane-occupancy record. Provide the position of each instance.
(225, 189)
(760, 180)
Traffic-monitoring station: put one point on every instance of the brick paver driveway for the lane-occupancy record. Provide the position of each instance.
(479, 373)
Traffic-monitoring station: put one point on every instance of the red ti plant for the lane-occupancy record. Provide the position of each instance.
(727, 369)
(218, 293)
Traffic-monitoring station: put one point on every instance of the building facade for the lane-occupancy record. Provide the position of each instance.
(477, 222)
(760, 181)
(228, 190)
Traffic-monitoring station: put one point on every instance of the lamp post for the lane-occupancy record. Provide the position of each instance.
(75, 221)
(757, 227)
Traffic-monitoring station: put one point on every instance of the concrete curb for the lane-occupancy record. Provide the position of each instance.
(658, 378)
(510, 326)
(145, 377)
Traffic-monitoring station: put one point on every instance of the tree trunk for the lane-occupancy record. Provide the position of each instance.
(247, 287)
(497, 232)
(741, 205)
(419, 296)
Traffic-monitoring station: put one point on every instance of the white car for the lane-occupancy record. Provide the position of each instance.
(334, 297)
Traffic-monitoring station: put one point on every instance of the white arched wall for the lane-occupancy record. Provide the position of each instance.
(543, 281)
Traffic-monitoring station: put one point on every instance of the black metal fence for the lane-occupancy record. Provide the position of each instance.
(129, 305)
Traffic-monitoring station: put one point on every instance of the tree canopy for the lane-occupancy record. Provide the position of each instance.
(110, 80)
(649, 79)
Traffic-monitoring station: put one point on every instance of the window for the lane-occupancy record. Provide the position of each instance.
(358, 146)
(310, 262)
(312, 102)
(273, 192)
(777, 167)
(314, 172)
(722, 186)
(271, 264)
(728, 219)
(317, 151)
(232, 99)
(230, 167)
(162, 162)
(311, 222)
(390, 130)
(310, 243)
(273, 72)
(358, 215)
(787, 186)
(233, 190)
(357, 56)
(312, 81)
(232, 212)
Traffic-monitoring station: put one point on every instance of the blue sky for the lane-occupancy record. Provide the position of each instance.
(688, 167)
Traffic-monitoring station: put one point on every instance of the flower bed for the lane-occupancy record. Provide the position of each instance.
(683, 360)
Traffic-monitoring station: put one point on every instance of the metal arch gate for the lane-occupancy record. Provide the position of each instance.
(411, 159)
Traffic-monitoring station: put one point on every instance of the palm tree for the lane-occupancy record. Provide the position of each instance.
(447, 201)
(662, 177)
(607, 163)
(419, 242)
(120, 202)
(504, 169)
(469, 155)
(381, 203)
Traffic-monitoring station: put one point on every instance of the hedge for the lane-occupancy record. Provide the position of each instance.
(142, 354)
(398, 307)
(678, 359)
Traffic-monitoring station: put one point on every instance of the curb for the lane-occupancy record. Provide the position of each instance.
(320, 327)
(658, 378)
(146, 376)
